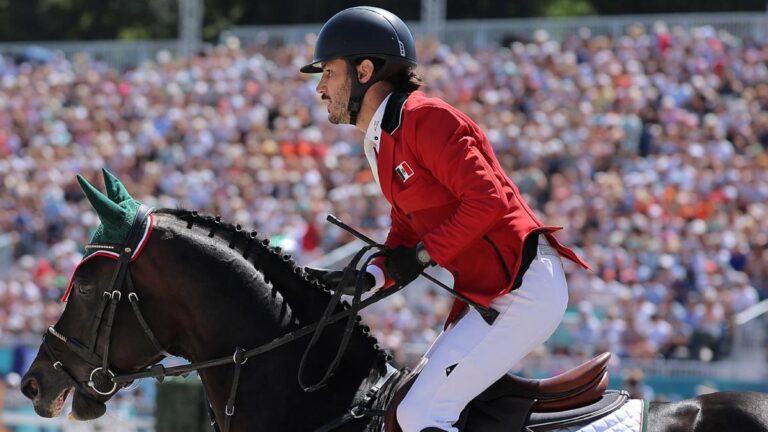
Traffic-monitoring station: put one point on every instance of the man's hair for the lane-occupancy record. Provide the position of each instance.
(403, 80)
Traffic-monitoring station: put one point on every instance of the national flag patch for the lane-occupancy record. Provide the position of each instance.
(404, 171)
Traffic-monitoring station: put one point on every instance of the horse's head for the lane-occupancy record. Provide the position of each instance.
(76, 349)
(249, 292)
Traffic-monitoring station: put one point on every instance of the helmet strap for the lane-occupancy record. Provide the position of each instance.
(358, 89)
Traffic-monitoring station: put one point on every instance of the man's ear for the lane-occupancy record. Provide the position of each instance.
(365, 71)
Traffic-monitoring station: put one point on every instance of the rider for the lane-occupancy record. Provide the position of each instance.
(452, 204)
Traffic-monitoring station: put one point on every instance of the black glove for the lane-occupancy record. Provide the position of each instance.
(404, 264)
(332, 279)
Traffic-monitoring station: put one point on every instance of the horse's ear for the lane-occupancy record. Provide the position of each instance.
(109, 212)
(116, 191)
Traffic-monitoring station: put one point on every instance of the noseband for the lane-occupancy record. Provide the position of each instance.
(121, 278)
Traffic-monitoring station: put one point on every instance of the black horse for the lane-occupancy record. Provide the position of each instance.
(200, 289)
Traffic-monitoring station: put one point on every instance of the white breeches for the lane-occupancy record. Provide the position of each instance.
(470, 355)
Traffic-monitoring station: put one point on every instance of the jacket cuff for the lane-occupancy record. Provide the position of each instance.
(378, 275)
(380, 264)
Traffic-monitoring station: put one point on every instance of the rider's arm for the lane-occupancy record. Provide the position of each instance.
(400, 234)
(458, 155)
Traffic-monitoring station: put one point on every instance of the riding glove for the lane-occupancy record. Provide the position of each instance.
(333, 279)
(404, 264)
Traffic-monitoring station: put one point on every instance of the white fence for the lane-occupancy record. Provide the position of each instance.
(724, 370)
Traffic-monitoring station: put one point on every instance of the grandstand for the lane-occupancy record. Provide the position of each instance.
(646, 138)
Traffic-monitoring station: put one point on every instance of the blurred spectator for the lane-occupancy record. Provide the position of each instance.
(636, 387)
(650, 147)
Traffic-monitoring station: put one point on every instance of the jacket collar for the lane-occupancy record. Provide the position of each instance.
(393, 113)
(373, 134)
(387, 117)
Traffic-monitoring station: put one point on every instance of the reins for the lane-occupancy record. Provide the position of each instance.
(241, 356)
(324, 319)
(121, 277)
(159, 371)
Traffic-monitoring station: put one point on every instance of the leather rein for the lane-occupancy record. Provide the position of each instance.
(121, 278)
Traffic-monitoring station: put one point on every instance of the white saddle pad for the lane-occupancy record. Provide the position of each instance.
(628, 418)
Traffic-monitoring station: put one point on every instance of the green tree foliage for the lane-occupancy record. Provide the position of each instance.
(569, 8)
(612, 7)
(39, 20)
(465, 9)
(36, 20)
(222, 14)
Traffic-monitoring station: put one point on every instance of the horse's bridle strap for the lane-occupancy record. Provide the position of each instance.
(120, 277)
(280, 341)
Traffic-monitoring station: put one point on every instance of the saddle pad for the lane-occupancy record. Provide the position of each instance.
(628, 418)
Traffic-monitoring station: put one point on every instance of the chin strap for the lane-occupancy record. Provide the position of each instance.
(357, 90)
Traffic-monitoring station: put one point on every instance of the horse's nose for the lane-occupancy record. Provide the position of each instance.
(30, 387)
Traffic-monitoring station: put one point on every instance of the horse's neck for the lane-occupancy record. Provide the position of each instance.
(232, 306)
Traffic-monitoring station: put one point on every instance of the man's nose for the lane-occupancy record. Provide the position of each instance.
(320, 88)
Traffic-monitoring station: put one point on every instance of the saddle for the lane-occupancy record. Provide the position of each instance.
(512, 402)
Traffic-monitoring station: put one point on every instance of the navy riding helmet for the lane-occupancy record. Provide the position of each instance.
(364, 32)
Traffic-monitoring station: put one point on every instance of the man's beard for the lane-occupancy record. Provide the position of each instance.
(339, 108)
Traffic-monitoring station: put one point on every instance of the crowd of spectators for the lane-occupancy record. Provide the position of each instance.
(649, 148)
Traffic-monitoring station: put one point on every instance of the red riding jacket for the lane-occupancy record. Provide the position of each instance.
(447, 189)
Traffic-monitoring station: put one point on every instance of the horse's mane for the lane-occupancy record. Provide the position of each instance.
(306, 296)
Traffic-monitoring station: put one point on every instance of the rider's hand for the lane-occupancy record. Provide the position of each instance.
(332, 279)
(404, 264)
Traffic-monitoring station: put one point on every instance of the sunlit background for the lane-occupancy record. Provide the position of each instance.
(640, 128)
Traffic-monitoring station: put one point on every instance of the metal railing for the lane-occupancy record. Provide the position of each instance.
(6, 254)
(471, 33)
(725, 369)
(117, 53)
(750, 337)
(479, 33)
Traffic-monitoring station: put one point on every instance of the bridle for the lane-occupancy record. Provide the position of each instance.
(121, 279)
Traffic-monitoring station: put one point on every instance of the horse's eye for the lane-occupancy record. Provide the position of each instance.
(84, 288)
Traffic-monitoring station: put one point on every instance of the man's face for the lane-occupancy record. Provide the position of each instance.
(334, 88)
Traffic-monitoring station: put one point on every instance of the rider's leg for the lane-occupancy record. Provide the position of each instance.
(471, 355)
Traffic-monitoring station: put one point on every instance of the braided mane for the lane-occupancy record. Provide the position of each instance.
(306, 295)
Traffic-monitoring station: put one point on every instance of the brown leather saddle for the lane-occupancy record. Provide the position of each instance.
(511, 400)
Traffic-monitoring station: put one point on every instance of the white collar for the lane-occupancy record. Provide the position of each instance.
(374, 127)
